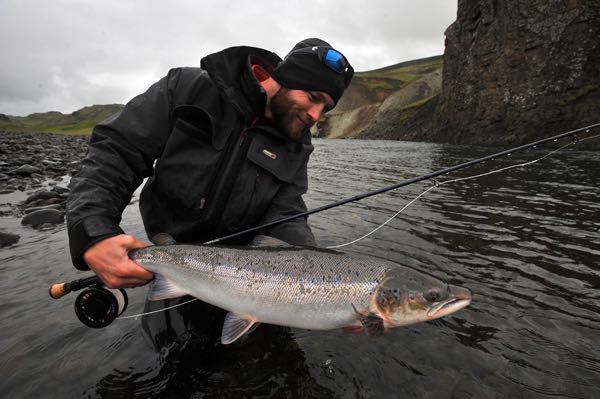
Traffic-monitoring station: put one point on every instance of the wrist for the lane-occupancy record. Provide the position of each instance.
(88, 232)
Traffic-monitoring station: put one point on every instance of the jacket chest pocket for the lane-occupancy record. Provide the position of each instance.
(187, 167)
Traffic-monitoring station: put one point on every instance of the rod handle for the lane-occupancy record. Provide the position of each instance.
(58, 290)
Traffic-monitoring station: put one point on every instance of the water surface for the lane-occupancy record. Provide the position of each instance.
(526, 242)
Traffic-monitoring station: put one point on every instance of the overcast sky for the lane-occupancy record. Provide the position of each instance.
(62, 55)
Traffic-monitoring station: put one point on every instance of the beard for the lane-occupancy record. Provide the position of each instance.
(284, 112)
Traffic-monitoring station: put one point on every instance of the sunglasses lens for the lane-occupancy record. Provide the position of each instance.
(335, 60)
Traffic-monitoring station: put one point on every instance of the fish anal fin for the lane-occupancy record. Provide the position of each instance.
(235, 326)
(371, 322)
(161, 288)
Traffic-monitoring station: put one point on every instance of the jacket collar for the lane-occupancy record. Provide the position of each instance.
(231, 71)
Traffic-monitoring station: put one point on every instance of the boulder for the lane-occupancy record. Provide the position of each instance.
(7, 239)
(58, 207)
(42, 195)
(42, 216)
(26, 170)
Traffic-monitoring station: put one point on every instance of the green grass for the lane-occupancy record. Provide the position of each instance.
(79, 122)
(416, 104)
(406, 72)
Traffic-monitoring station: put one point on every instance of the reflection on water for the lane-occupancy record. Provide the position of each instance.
(526, 242)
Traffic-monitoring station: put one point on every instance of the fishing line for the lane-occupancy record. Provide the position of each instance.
(429, 176)
(437, 184)
(157, 311)
(60, 289)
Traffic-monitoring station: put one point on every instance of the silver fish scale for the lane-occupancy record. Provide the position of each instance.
(315, 284)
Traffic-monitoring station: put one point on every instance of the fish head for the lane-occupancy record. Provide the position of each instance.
(407, 297)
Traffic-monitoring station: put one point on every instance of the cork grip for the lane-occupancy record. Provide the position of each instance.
(58, 290)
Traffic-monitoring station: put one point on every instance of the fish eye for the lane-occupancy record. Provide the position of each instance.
(432, 296)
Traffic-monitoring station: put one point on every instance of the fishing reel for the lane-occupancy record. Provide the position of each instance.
(96, 306)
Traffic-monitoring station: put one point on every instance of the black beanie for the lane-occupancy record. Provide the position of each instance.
(303, 70)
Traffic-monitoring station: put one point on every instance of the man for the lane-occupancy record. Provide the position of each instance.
(225, 147)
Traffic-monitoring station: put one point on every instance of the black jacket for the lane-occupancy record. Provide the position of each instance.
(214, 166)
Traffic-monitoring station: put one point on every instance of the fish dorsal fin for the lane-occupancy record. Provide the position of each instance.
(266, 241)
(234, 327)
(163, 239)
(161, 288)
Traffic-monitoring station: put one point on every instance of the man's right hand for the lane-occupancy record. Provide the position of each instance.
(110, 261)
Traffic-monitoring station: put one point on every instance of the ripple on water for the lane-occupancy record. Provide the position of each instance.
(525, 242)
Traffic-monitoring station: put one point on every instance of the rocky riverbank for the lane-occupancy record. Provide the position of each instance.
(35, 169)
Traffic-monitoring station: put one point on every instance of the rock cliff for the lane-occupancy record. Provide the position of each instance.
(518, 70)
(513, 71)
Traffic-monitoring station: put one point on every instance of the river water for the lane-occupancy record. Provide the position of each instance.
(526, 242)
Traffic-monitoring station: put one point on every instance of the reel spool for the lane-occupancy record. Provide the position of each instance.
(99, 306)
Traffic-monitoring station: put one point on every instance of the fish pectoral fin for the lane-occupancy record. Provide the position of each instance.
(373, 324)
(161, 288)
(235, 326)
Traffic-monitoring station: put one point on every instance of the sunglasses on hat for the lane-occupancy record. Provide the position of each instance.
(331, 58)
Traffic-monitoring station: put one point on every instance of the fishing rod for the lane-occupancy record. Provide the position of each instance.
(405, 183)
(98, 306)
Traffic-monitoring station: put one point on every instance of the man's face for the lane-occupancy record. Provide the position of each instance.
(295, 111)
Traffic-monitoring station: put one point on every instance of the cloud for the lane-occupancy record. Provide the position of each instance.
(65, 54)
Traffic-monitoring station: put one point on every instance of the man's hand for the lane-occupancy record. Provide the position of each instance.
(109, 260)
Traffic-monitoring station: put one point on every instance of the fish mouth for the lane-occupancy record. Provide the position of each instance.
(441, 309)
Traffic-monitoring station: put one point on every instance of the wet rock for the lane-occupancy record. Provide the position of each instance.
(60, 190)
(43, 216)
(42, 195)
(50, 201)
(7, 239)
(58, 207)
(26, 170)
(30, 161)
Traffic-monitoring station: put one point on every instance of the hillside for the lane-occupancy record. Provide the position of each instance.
(404, 85)
(79, 122)
(377, 100)
(372, 87)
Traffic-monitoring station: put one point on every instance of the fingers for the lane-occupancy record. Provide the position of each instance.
(110, 261)
(131, 242)
(137, 271)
